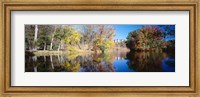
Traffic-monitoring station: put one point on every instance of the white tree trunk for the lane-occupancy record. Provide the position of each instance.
(51, 45)
(52, 66)
(34, 58)
(35, 61)
(62, 59)
(35, 69)
(45, 59)
(35, 37)
(59, 46)
(44, 46)
(58, 58)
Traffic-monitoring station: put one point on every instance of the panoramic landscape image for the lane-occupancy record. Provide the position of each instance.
(99, 48)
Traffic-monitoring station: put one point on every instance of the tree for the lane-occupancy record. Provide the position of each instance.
(104, 38)
(59, 35)
(35, 37)
(68, 35)
(72, 37)
(95, 37)
(44, 38)
(87, 35)
(146, 38)
(52, 38)
(169, 30)
(29, 37)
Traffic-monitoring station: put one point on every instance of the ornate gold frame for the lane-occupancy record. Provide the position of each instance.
(122, 5)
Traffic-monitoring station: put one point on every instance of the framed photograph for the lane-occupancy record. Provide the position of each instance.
(125, 47)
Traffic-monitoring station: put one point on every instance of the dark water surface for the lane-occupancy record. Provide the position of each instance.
(155, 61)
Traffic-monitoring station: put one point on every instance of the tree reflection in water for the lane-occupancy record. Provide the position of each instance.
(156, 61)
(143, 61)
(70, 63)
(150, 61)
(98, 63)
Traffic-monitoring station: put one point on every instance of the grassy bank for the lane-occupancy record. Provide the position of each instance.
(42, 52)
(47, 52)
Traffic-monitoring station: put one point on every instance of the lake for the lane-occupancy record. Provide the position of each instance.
(116, 61)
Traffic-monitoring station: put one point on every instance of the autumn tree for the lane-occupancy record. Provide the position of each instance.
(104, 38)
(67, 35)
(146, 38)
(72, 38)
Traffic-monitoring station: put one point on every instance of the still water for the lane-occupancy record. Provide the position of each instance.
(109, 62)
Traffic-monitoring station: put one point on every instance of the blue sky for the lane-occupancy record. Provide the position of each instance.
(121, 31)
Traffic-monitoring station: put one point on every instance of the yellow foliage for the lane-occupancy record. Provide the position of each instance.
(72, 48)
(72, 67)
(72, 36)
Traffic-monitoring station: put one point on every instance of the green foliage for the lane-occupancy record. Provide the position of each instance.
(68, 35)
(44, 35)
(59, 34)
(29, 36)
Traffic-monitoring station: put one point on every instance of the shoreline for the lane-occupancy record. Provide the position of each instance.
(62, 52)
(55, 52)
